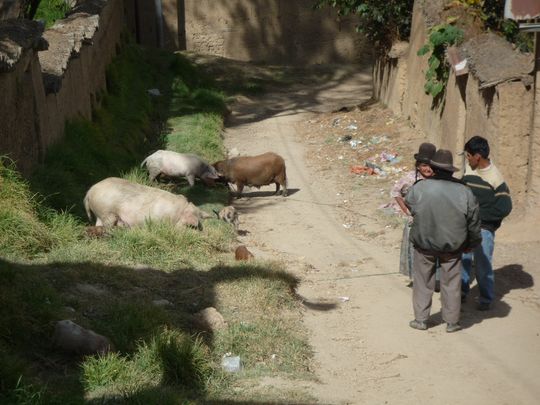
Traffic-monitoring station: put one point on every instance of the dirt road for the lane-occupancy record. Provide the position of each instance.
(331, 233)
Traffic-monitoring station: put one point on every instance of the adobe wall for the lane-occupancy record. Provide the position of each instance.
(499, 110)
(272, 31)
(21, 91)
(80, 48)
(47, 79)
(10, 9)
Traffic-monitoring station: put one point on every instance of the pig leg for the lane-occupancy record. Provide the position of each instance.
(281, 180)
(110, 220)
(191, 179)
(121, 223)
(153, 174)
(239, 188)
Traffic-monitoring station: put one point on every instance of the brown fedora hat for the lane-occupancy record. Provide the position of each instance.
(425, 152)
(443, 160)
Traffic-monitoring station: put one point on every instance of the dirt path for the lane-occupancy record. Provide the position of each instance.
(331, 234)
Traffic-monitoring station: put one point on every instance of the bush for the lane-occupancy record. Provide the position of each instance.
(383, 22)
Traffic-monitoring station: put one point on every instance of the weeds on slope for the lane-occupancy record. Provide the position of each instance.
(140, 287)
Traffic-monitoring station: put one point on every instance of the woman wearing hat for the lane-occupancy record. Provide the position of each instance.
(422, 171)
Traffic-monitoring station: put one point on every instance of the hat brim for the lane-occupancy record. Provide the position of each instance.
(442, 166)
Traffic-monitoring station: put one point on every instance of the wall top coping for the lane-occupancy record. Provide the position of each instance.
(66, 38)
(511, 64)
(16, 36)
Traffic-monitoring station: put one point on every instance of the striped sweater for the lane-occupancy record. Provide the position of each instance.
(492, 194)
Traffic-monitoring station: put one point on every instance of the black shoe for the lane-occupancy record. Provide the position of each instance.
(453, 327)
(484, 306)
(420, 325)
(463, 298)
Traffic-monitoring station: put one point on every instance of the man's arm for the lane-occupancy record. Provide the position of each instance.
(503, 202)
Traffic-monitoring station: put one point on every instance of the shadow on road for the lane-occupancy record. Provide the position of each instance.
(507, 278)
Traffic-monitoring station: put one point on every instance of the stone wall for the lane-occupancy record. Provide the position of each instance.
(495, 104)
(47, 79)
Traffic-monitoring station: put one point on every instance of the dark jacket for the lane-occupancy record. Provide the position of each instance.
(445, 216)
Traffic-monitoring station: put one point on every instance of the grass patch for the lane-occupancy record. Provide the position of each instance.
(51, 10)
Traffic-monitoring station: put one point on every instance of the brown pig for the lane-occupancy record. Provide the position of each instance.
(256, 171)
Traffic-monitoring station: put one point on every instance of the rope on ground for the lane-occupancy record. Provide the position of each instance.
(360, 276)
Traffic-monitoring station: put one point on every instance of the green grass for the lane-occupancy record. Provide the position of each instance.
(50, 269)
(51, 10)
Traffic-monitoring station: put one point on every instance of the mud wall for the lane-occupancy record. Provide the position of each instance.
(44, 84)
(272, 31)
(500, 112)
(10, 9)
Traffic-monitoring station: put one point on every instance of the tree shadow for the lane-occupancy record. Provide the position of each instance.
(108, 291)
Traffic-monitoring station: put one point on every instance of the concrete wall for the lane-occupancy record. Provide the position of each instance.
(501, 112)
(41, 90)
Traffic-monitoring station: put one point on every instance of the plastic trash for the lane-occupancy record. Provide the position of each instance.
(373, 166)
(358, 169)
(387, 156)
(375, 140)
(231, 364)
(154, 92)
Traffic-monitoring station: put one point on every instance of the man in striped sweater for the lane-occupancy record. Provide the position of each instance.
(493, 195)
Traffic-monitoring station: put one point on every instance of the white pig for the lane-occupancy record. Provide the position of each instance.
(173, 164)
(116, 201)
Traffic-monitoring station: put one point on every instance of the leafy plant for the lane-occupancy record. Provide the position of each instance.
(440, 37)
(381, 21)
(491, 15)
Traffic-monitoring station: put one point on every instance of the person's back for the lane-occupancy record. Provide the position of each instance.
(445, 223)
(443, 212)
